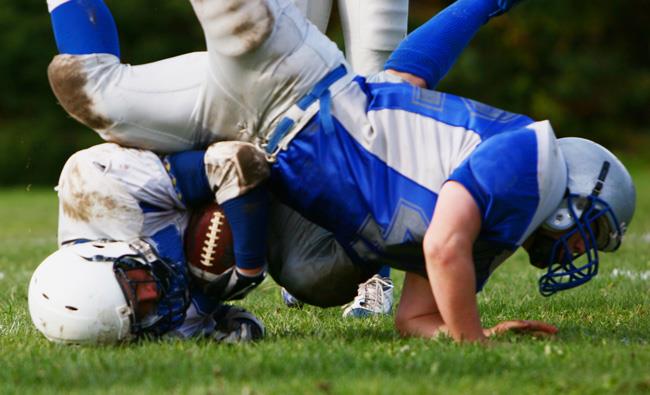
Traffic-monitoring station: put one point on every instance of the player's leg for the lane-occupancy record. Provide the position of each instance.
(317, 11)
(307, 261)
(115, 193)
(149, 106)
(372, 29)
(264, 56)
(431, 50)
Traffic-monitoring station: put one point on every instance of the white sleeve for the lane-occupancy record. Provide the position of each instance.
(372, 29)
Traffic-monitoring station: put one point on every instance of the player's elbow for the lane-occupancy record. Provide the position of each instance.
(441, 253)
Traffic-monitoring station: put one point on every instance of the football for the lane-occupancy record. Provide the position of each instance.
(208, 243)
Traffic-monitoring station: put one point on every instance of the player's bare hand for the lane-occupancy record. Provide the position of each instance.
(532, 327)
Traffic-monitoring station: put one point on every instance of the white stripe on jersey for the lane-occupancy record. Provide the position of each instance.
(420, 148)
(551, 175)
(52, 4)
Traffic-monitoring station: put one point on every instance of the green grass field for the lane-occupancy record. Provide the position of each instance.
(603, 345)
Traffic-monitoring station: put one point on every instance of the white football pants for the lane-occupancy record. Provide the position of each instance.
(238, 90)
(262, 57)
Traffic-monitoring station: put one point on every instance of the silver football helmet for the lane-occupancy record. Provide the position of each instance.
(106, 292)
(599, 205)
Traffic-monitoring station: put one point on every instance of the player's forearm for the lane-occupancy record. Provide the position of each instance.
(452, 279)
(248, 218)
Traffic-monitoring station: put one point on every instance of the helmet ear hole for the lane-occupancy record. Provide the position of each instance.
(602, 231)
(561, 220)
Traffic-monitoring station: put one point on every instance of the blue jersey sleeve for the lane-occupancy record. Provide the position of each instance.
(501, 175)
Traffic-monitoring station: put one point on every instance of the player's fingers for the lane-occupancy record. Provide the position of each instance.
(536, 328)
(506, 326)
(539, 326)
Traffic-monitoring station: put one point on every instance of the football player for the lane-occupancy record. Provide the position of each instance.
(114, 98)
(123, 213)
(178, 103)
(441, 186)
(120, 271)
(243, 192)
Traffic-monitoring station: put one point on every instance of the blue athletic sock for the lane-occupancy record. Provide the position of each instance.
(384, 271)
(247, 216)
(430, 50)
(84, 27)
(187, 170)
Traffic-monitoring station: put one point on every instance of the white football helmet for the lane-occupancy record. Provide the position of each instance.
(92, 292)
(599, 204)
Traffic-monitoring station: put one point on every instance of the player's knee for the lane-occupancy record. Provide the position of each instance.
(235, 27)
(331, 286)
(234, 168)
(72, 188)
(75, 175)
(91, 203)
(68, 79)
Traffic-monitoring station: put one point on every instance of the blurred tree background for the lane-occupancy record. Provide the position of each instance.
(585, 65)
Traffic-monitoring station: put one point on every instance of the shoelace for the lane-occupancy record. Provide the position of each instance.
(373, 291)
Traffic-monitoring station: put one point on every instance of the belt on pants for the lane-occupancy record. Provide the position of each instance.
(320, 94)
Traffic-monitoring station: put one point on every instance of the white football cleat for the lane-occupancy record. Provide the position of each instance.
(374, 297)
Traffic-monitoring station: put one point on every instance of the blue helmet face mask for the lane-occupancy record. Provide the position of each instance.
(567, 269)
(165, 312)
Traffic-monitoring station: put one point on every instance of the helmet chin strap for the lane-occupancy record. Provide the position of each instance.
(538, 252)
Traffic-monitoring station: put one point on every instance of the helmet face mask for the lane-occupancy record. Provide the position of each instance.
(599, 203)
(567, 268)
(142, 291)
(156, 292)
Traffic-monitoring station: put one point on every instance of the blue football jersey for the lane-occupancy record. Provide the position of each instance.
(374, 180)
